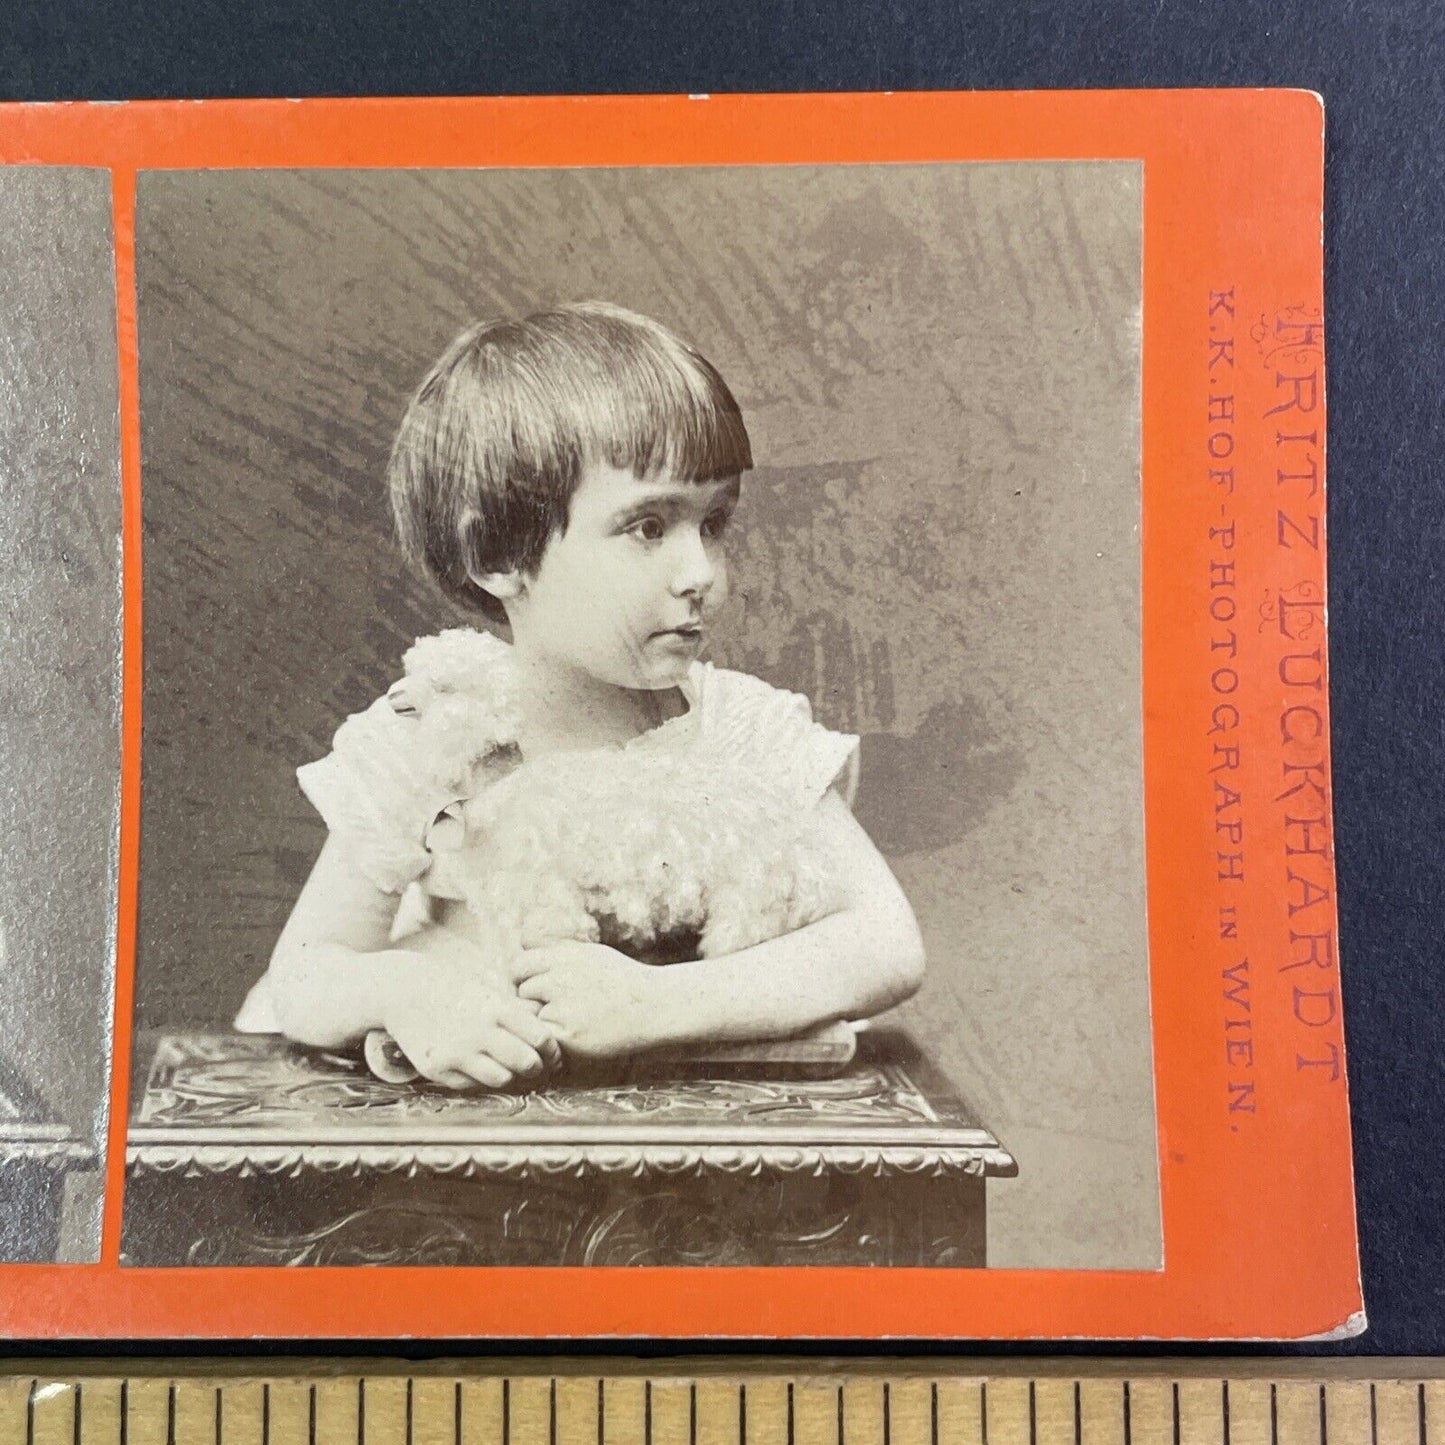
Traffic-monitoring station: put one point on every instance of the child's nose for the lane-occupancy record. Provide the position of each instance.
(694, 570)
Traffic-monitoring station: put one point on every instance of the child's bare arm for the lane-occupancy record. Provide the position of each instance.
(852, 964)
(331, 968)
(335, 975)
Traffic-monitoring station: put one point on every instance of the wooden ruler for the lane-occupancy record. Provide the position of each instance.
(1079, 1402)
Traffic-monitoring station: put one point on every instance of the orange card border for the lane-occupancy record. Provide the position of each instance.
(1254, 1147)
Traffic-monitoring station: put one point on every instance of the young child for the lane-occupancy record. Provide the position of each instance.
(570, 476)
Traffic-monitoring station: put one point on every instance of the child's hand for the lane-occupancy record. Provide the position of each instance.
(598, 1002)
(460, 1028)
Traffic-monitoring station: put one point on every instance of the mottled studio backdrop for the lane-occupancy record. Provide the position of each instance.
(59, 660)
(939, 368)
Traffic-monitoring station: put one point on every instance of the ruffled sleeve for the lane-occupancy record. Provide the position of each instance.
(395, 768)
(378, 792)
(773, 733)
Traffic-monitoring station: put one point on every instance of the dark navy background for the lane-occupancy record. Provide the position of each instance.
(1381, 69)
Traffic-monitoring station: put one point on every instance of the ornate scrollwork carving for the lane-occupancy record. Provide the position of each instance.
(686, 1223)
(233, 1081)
(374, 1234)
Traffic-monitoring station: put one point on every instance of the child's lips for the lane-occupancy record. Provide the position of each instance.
(688, 632)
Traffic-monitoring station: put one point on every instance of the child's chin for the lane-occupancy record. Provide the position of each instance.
(665, 675)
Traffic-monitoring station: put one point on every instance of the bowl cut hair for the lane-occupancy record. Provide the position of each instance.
(495, 440)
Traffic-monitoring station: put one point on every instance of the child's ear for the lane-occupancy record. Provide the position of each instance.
(504, 586)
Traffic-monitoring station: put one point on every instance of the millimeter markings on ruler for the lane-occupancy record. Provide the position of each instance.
(1259, 1402)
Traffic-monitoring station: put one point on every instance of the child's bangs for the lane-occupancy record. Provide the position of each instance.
(659, 411)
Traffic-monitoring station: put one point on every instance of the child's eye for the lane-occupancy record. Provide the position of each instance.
(716, 524)
(648, 529)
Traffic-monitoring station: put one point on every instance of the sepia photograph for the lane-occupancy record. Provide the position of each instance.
(642, 751)
(60, 631)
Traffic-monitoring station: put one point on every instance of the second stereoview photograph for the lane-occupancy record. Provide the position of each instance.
(60, 631)
(642, 733)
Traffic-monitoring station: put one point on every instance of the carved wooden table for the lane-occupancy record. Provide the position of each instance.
(249, 1150)
(36, 1156)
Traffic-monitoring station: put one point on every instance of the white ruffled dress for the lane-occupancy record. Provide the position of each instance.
(394, 785)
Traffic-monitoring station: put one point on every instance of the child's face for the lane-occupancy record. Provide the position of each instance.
(626, 593)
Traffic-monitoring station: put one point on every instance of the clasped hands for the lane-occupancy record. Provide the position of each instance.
(462, 1025)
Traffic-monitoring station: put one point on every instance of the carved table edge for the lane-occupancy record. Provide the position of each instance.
(460, 1161)
(57, 1154)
